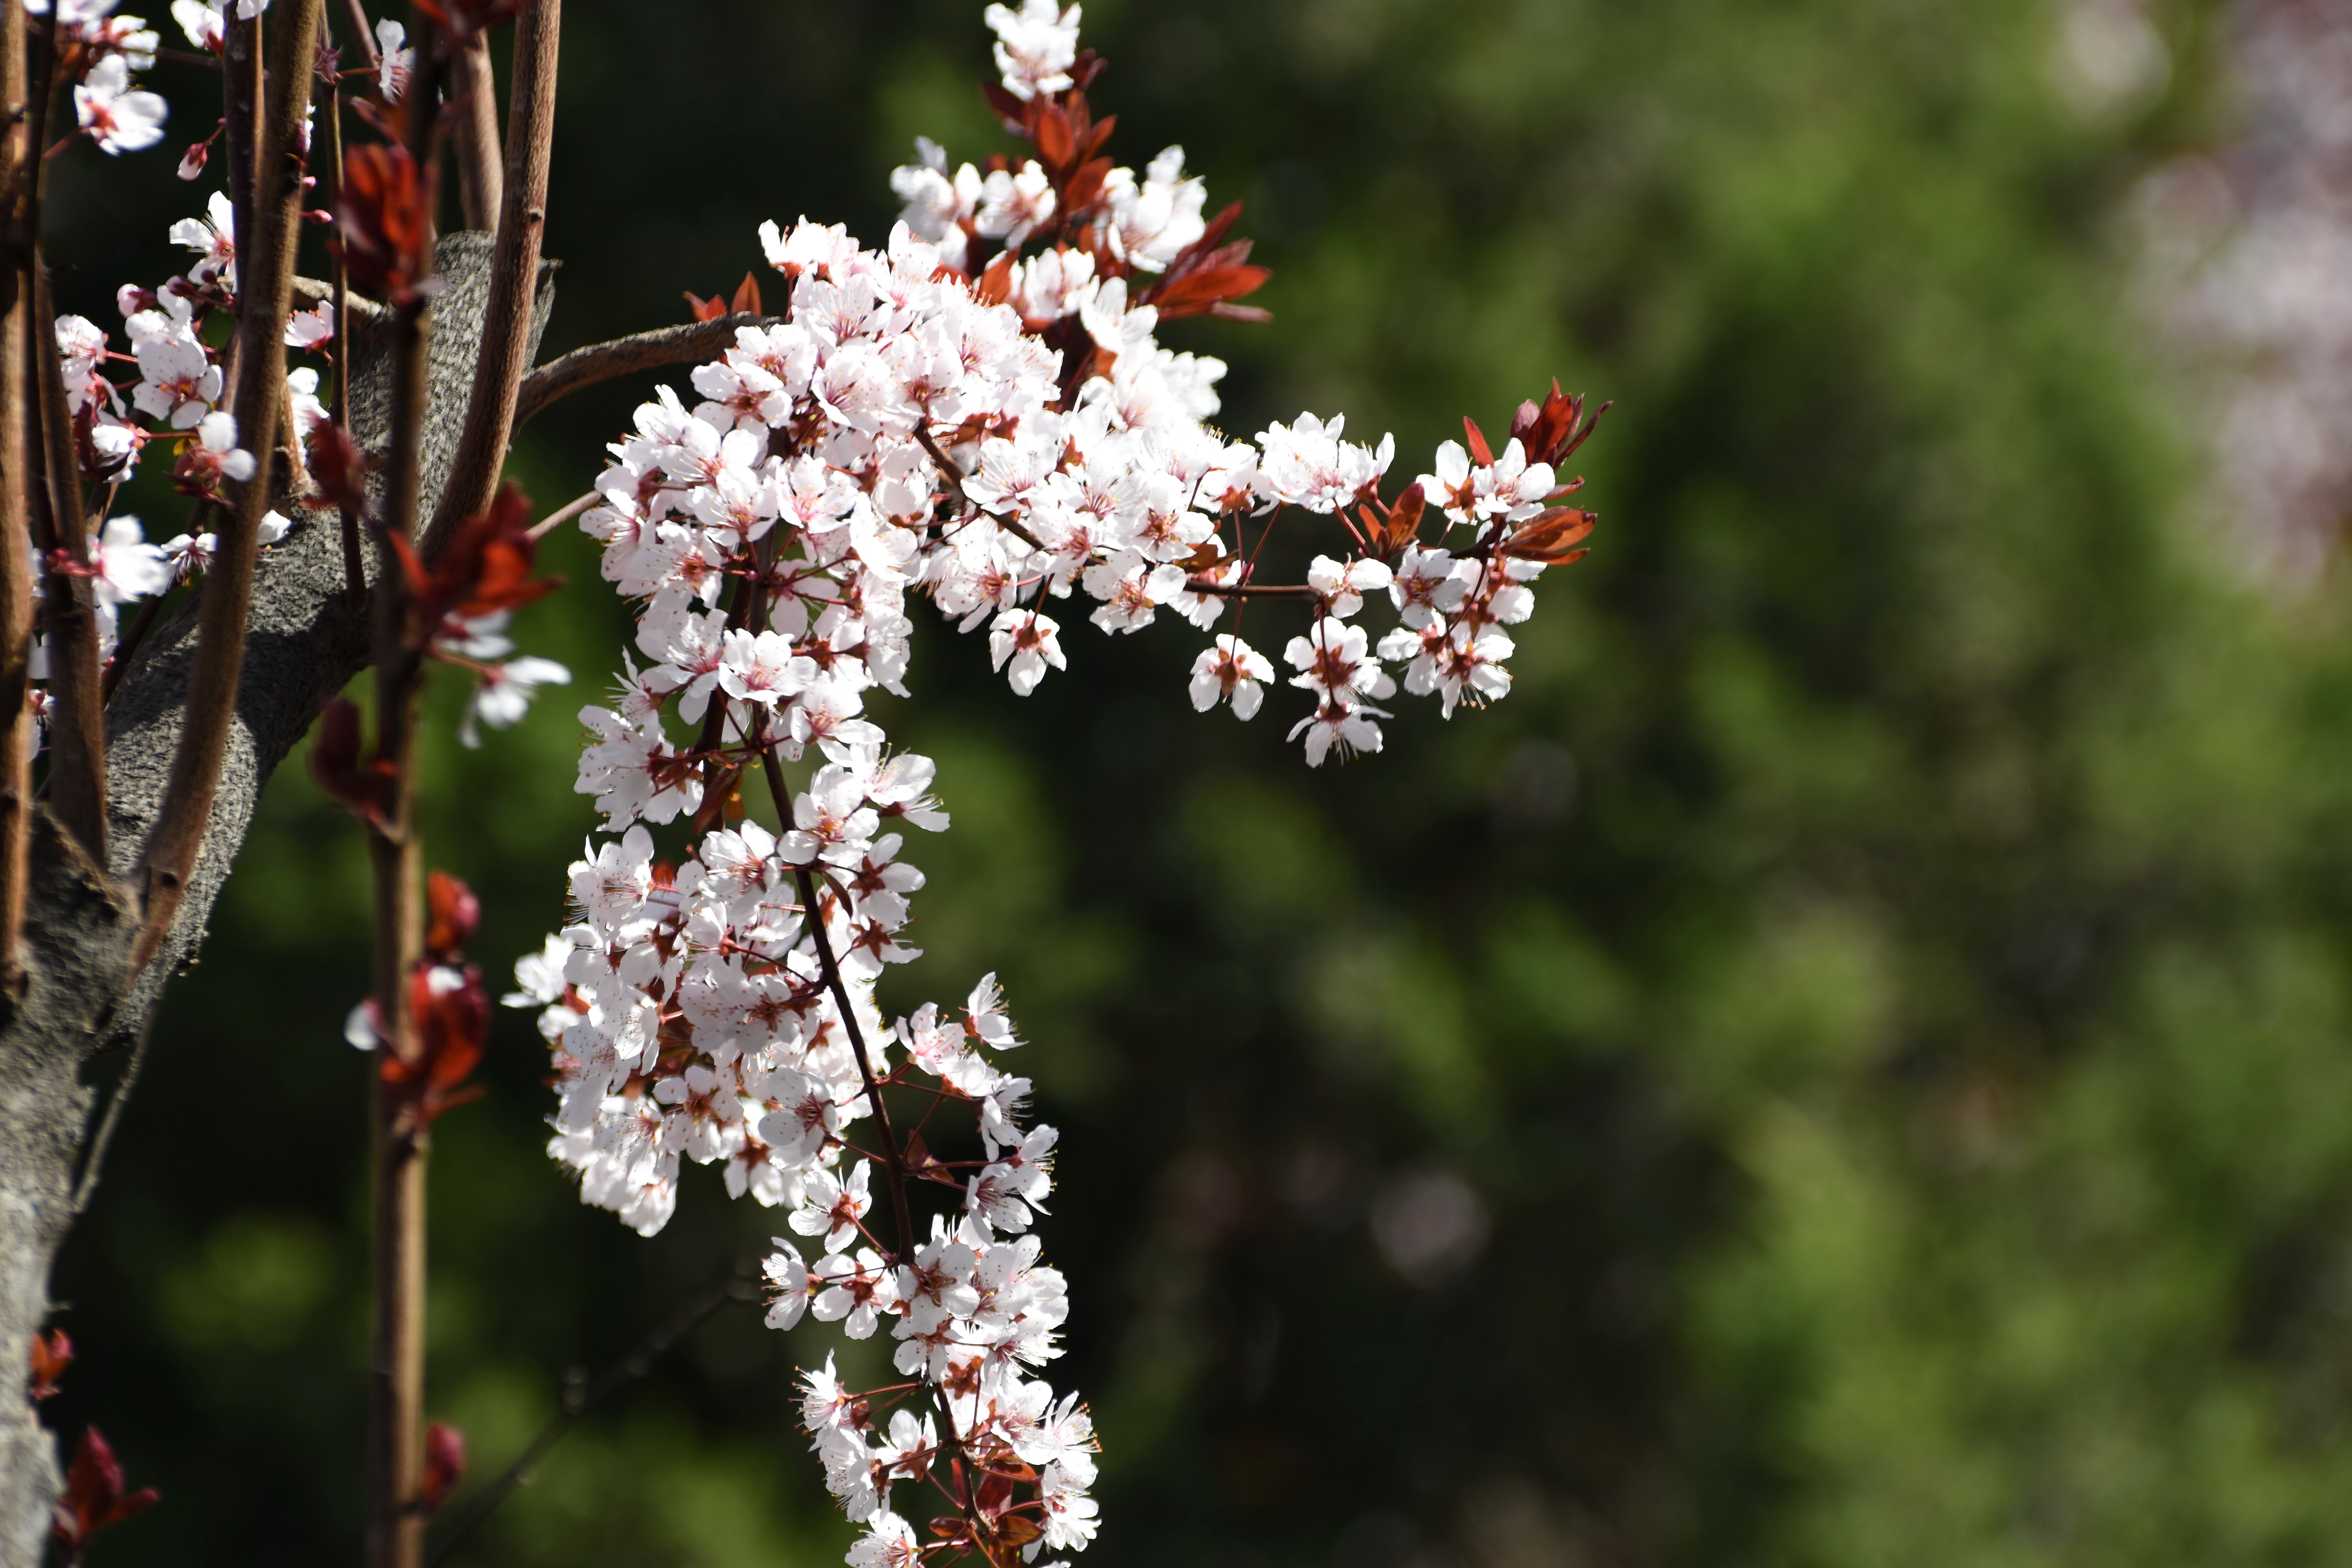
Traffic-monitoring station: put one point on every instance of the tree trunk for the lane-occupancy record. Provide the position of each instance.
(306, 642)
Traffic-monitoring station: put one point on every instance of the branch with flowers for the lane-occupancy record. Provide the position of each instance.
(979, 414)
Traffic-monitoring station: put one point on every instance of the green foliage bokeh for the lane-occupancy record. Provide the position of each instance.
(1883, 970)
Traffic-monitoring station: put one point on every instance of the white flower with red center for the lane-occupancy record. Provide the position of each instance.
(762, 667)
(853, 1292)
(831, 821)
(1022, 644)
(214, 239)
(1035, 46)
(836, 1209)
(178, 383)
(1335, 662)
(1335, 725)
(889, 1541)
(788, 1281)
(117, 116)
(1341, 585)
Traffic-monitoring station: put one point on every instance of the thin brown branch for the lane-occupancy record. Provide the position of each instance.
(265, 279)
(954, 472)
(893, 1165)
(474, 135)
(362, 32)
(582, 1394)
(1249, 590)
(340, 297)
(241, 130)
(141, 625)
(19, 737)
(514, 275)
(563, 514)
(77, 716)
(655, 350)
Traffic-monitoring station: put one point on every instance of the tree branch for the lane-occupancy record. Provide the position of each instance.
(582, 1394)
(475, 134)
(304, 644)
(17, 736)
(77, 695)
(656, 349)
(265, 292)
(506, 349)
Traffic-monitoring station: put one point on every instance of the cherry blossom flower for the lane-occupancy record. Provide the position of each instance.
(1232, 671)
(117, 116)
(1035, 46)
(504, 693)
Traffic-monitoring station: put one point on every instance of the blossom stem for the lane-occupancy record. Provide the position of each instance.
(893, 1165)
(562, 514)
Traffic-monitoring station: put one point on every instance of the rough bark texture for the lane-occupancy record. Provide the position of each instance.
(306, 642)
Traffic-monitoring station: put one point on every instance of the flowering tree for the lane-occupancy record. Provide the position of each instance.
(979, 413)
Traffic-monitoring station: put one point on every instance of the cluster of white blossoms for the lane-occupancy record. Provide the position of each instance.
(991, 432)
(176, 395)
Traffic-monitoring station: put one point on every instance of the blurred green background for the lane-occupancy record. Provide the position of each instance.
(1848, 1064)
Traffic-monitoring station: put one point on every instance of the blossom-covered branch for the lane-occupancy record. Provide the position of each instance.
(978, 414)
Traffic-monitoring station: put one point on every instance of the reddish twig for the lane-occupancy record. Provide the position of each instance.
(514, 276)
(265, 292)
(78, 719)
(393, 1525)
(658, 350)
(18, 735)
(474, 135)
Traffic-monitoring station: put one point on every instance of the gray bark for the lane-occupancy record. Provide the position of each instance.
(305, 643)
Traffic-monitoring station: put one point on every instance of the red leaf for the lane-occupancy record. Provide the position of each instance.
(383, 222)
(462, 19)
(364, 786)
(704, 309)
(93, 1497)
(445, 1462)
(1478, 448)
(996, 284)
(339, 466)
(1054, 141)
(456, 913)
(1550, 536)
(1193, 295)
(52, 1353)
(747, 297)
(1010, 110)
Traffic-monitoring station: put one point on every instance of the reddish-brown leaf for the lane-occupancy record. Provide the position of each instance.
(747, 297)
(445, 1462)
(94, 1498)
(1550, 536)
(1054, 141)
(453, 915)
(1192, 294)
(338, 466)
(383, 222)
(1480, 452)
(52, 1353)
